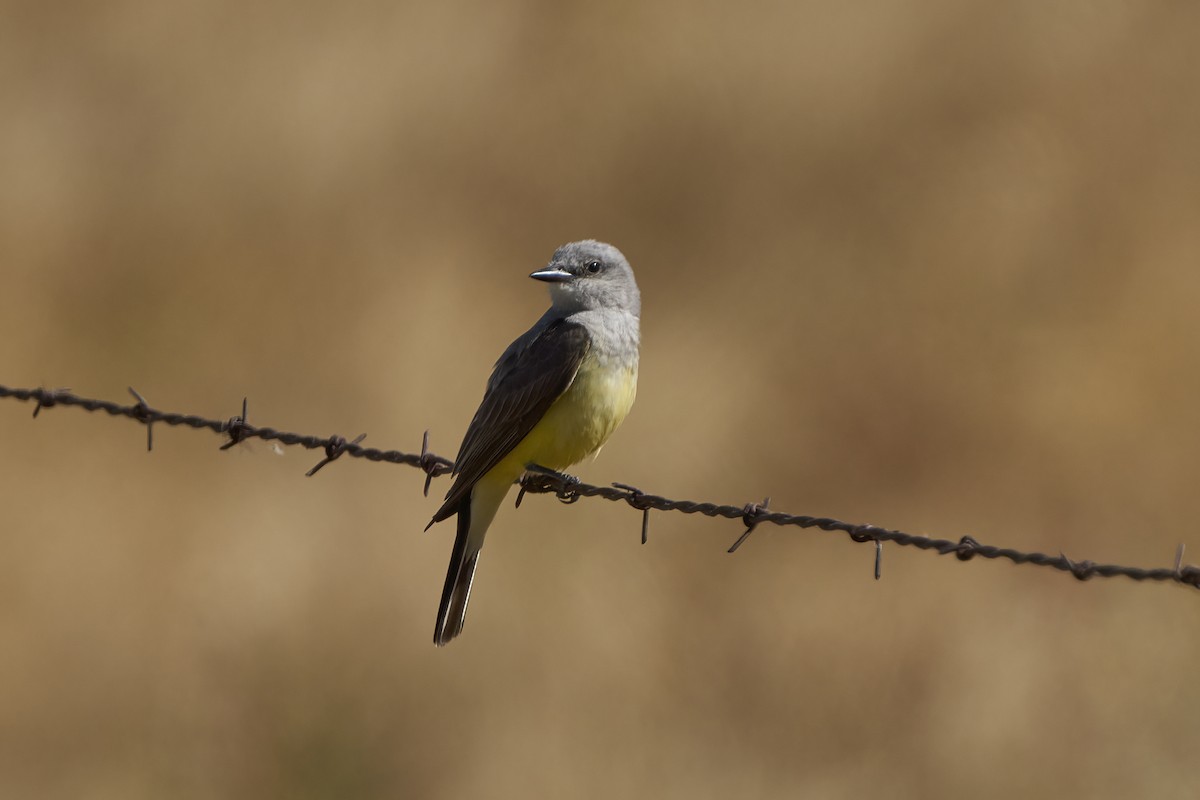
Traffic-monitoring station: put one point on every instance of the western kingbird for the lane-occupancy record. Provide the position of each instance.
(554, 397)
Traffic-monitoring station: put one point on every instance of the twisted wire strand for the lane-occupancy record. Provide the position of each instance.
(569, 490)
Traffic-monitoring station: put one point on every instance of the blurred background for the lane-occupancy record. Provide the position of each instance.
(928, 265)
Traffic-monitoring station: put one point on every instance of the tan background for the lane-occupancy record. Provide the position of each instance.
(928, 265)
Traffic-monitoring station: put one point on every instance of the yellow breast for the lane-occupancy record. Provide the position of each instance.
(579, 422)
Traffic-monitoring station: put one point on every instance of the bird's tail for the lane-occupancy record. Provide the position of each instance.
(475, 514)
(452, 612)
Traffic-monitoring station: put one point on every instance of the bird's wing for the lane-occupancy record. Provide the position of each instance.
(514, 402)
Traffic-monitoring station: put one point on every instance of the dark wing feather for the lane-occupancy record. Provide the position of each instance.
(513, 404)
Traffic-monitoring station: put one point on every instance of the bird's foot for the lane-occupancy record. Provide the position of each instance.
(543, 479)
(538, 469)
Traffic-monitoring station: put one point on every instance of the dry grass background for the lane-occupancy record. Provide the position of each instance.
(929, 265)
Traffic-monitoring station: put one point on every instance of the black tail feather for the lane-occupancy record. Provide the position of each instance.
(452, 611)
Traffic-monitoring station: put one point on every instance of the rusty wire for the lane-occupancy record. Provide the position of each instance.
(569, 490)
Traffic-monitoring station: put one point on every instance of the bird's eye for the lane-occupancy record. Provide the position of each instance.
(593, 267)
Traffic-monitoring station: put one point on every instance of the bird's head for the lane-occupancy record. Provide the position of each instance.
(590, 275)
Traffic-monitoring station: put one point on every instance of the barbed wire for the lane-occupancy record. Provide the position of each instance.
(568, 490)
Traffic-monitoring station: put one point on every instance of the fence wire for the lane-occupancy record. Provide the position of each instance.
(238, 429)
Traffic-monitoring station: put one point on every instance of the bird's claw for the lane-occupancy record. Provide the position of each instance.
(538, 469)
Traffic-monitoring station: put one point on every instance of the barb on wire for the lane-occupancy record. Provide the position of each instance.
(141, 414)
(751, 515)
(636, 499)
(336, 446)
(569, 490)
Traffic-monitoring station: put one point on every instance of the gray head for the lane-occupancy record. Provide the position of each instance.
(589, 275)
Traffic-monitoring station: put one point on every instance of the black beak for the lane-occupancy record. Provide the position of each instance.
(552, 275)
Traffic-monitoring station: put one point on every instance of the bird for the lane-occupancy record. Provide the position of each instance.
(553, 399)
